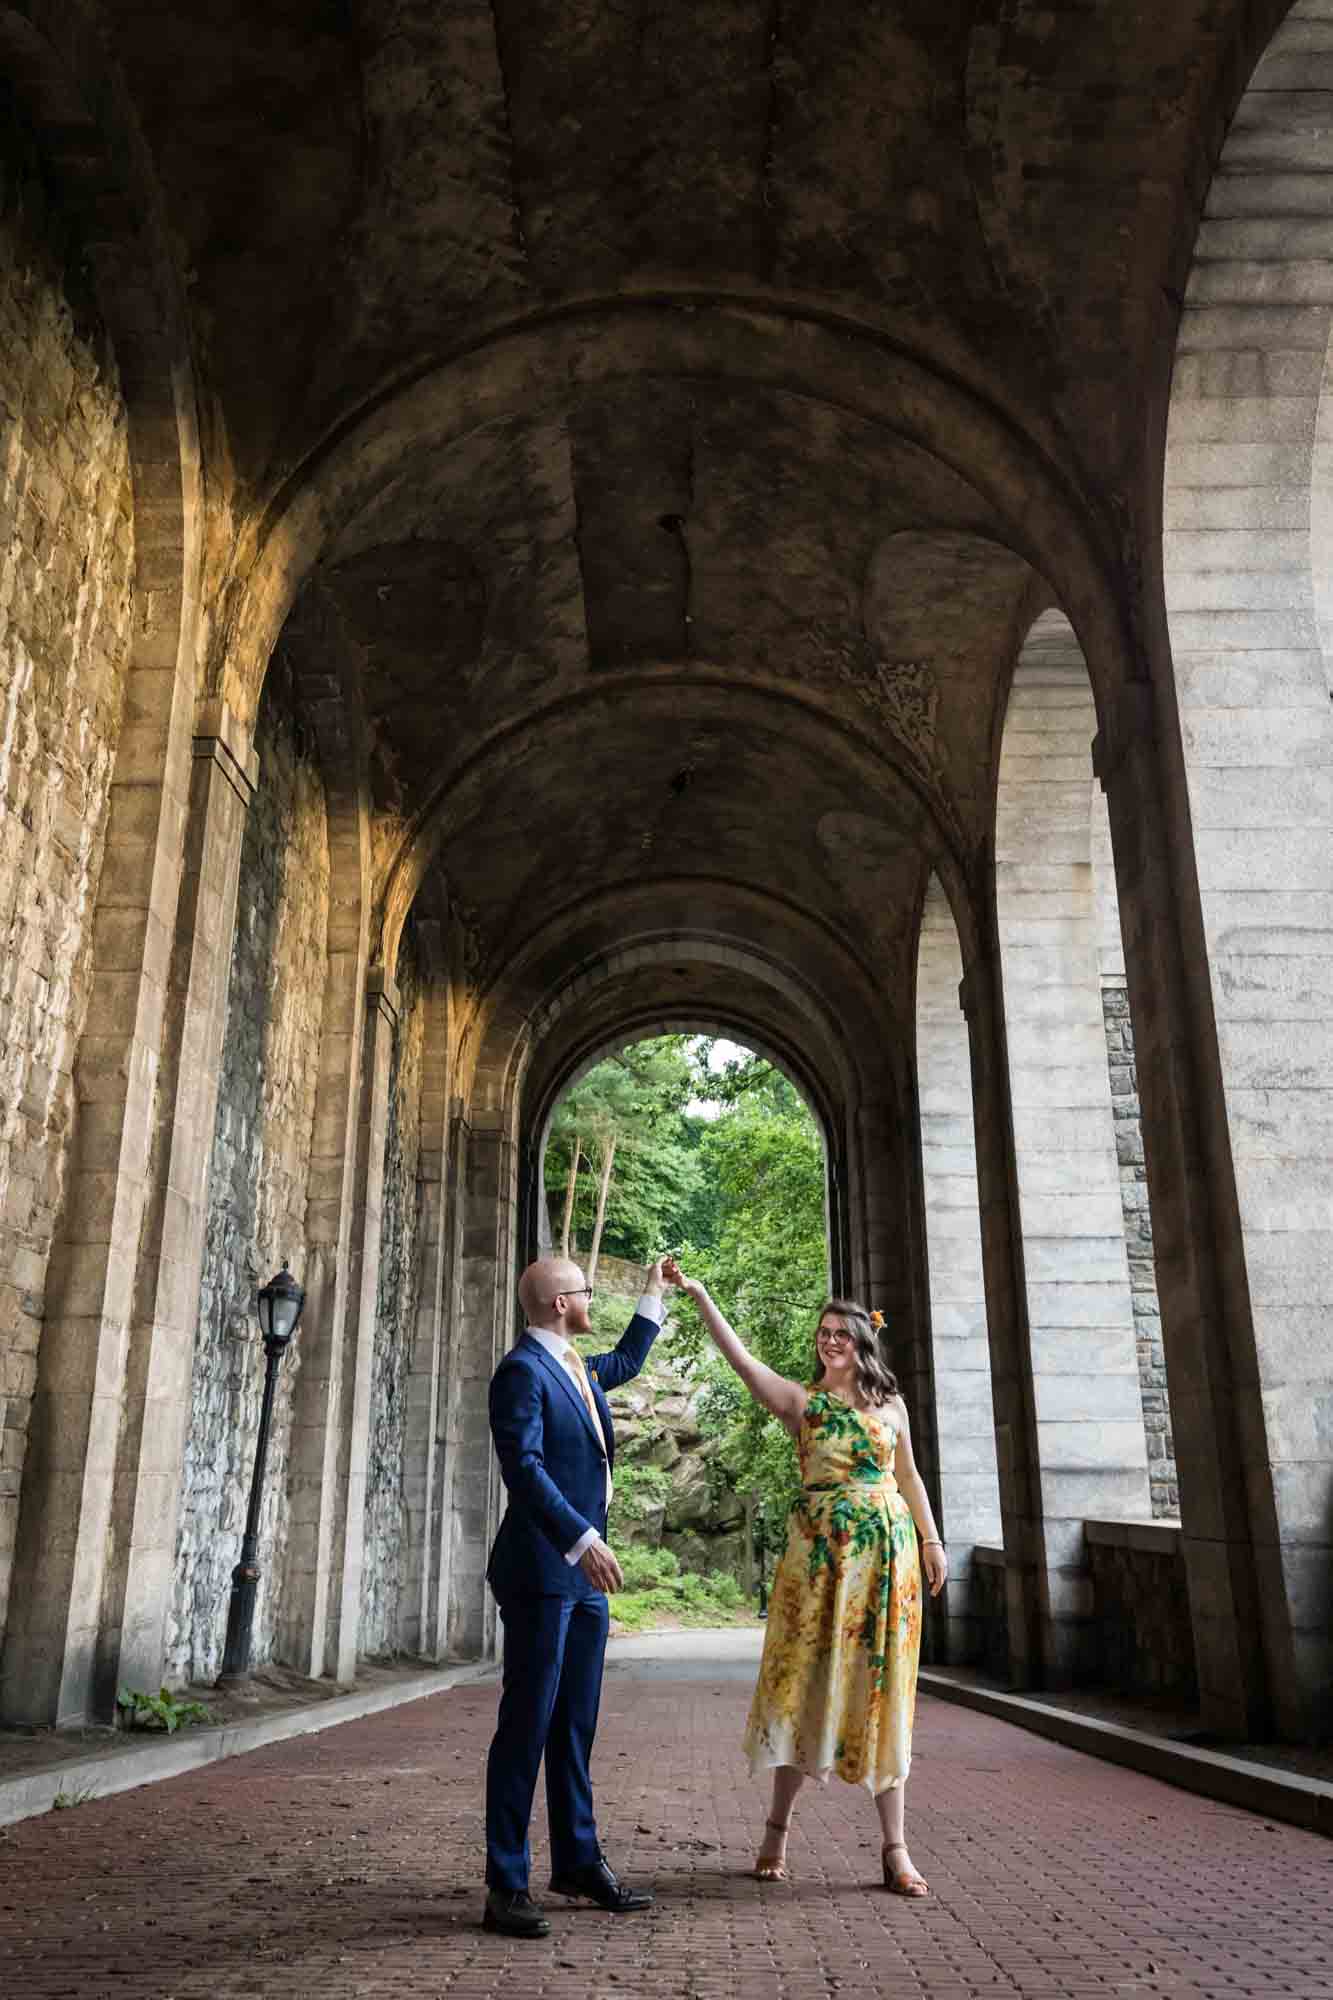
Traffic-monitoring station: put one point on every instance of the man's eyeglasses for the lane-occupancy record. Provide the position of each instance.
(573, 1292)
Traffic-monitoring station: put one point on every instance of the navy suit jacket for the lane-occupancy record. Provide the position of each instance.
(551, 1461)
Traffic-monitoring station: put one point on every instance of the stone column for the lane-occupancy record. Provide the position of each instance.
(487, 1328)
(425, 1385)
(47, 1676)
(1212, 1375)
(442, 1638)
(880, 1211)
(351, 1413)
(964, 1413)
(1033, 1617)
(304, 1613)
(166, 1300)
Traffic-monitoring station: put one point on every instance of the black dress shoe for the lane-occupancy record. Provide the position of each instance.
(514, 1912)
(597, 1881)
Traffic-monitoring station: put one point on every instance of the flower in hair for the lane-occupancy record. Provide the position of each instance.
(877, 1320)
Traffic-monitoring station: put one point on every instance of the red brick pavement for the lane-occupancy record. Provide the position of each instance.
(348, 1864)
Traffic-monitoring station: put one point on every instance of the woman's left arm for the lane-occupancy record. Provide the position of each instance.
(934, 1560)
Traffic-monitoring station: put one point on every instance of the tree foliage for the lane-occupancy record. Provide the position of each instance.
(624, 1131)
(767, 1265)
(739, 1187)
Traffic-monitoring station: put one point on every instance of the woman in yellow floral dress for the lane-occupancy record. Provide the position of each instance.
(837, 1682)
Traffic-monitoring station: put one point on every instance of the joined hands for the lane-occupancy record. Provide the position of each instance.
(673, 1275)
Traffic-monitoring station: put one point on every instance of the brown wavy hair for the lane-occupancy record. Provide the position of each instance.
(875, 1380)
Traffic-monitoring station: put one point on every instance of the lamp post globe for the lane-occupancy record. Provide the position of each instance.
(280, 1302)
(279, 1306)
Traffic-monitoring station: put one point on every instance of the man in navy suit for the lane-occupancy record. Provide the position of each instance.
(550, 1570)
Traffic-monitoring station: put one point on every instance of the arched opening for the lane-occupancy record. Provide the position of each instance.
(1089, 1399)
(638, 965)
(728, 1036)
(701, 1142)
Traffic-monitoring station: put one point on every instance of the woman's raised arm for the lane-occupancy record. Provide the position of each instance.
(786, 1399)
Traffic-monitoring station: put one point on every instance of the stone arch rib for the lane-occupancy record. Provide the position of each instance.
(765, 341)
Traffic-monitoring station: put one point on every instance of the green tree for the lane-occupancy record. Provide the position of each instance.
(626, 1122)
(768, 1265)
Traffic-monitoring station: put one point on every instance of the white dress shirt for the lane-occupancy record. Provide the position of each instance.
(649, 1307)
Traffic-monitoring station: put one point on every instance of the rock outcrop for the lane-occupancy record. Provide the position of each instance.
(674, 1489)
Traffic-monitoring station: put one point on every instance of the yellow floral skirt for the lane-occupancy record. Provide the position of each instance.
(837, 1682)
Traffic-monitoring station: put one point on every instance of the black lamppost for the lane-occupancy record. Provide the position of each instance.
(760, 1552)
(280, 1303)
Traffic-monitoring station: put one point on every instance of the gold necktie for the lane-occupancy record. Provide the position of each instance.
(574, 1362)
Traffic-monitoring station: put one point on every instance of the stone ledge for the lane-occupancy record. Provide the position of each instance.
(1155, 1537)
(139, 1763)
(1281, 1795)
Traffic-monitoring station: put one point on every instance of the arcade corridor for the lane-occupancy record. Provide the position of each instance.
(346, 1866)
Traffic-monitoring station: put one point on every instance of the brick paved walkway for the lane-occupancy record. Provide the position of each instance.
(348, 1864)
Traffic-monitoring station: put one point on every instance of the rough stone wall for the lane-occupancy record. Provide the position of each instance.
(257, 1190)
(66, 565)
(396, 1303)
(1138, 1244)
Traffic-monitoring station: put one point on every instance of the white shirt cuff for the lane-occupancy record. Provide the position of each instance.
(585, 1541)
(650, 1307)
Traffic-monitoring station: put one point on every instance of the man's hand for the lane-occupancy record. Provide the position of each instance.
(652, 1284)
(601, 1568)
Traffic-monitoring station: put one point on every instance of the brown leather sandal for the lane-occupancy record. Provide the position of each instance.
(772, 1867)
(901, 1881)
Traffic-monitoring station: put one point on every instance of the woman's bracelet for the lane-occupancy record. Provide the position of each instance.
(932, 1542)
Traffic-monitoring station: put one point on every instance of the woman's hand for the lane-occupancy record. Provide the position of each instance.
(935, 1563)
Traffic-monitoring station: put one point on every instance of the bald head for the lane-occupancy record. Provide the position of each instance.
(544, 1282)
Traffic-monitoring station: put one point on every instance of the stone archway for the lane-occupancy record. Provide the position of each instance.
(527, 1052)
(1090, 1440)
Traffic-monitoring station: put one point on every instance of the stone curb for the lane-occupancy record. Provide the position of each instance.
(148, 1763)
(1282, 1795)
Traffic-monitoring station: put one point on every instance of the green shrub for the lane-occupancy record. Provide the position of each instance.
(656, 1588)
(640, 1490)
(647, 1569)
(162, 1710)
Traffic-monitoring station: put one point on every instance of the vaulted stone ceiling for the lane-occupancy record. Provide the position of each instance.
(621, 608)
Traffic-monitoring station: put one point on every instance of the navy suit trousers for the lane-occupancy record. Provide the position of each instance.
(552, 1688)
